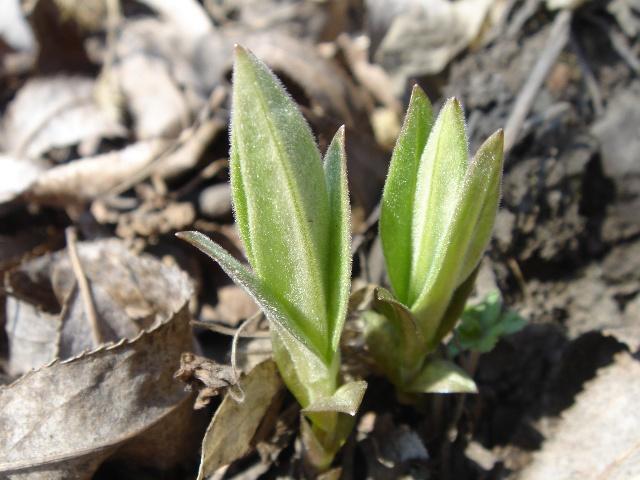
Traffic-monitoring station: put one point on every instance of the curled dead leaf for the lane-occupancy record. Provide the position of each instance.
(67, 417)
(47, 316)
(234, 425)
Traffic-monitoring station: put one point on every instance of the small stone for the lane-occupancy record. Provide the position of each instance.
(215, 201)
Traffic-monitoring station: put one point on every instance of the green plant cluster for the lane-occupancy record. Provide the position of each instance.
(292, 211)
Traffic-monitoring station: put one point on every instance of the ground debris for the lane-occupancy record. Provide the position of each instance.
(206, 376)
(106, 400)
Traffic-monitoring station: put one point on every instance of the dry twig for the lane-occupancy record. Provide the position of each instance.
(556, 41)
(83, 285)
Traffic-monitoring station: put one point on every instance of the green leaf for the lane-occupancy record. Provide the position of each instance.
(239, 200)
(466, 237)
(442, 376)
(397, 208)
(280, 195)
(339, 251)
(442, 169)
(304, 372)
(401, 318)
(229, 434)
(455, 309)
(393, 337)
(482, 185)
(273, 308)
(320, 449)
(346, 399)
(484, 324)
(316, 451)
(326, 412)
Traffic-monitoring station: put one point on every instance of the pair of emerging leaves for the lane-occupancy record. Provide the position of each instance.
(293, 215)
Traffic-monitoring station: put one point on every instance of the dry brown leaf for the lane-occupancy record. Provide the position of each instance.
(65, 419)
(422, 38)
(188, 16)
(215, 201)
(55, 112)
(625, 13)
(150, 220)
(75, 182)
(90, 15)
(47, 316)
(371, 76)
(234, 425)
(86, 179)
(191, 66)
(300, 19)
(564, 4)
(158, 107)
(597, 438)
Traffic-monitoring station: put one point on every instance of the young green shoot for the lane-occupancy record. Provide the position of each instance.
(292, 211)
(437, 213)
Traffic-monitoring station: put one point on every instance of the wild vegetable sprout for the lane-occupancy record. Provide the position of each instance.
(292, 211)
(437, 213)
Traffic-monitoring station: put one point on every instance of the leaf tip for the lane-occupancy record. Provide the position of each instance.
(497, 138)
(417, 92)
(189, 236)
(454, 105)
(242, 57)
(239, 49)
(493, 147)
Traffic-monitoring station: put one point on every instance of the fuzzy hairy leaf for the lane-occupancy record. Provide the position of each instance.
(313, 383)
(402, 320)
(393, 337)
(339, 251)
(241, 275)
(280, 195)
(467, 235)
(455, 309)
(482, 185)
(346, 399)
(304, 372)
(397, 208)
(319, 450)
(442, 169)
(327, 412)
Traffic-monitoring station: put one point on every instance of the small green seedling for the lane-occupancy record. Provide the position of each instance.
(482, 325)
(292, 212)
(437, 213)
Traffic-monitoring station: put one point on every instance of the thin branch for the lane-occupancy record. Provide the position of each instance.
(240, 395)
(556, 42)
(83, 285)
